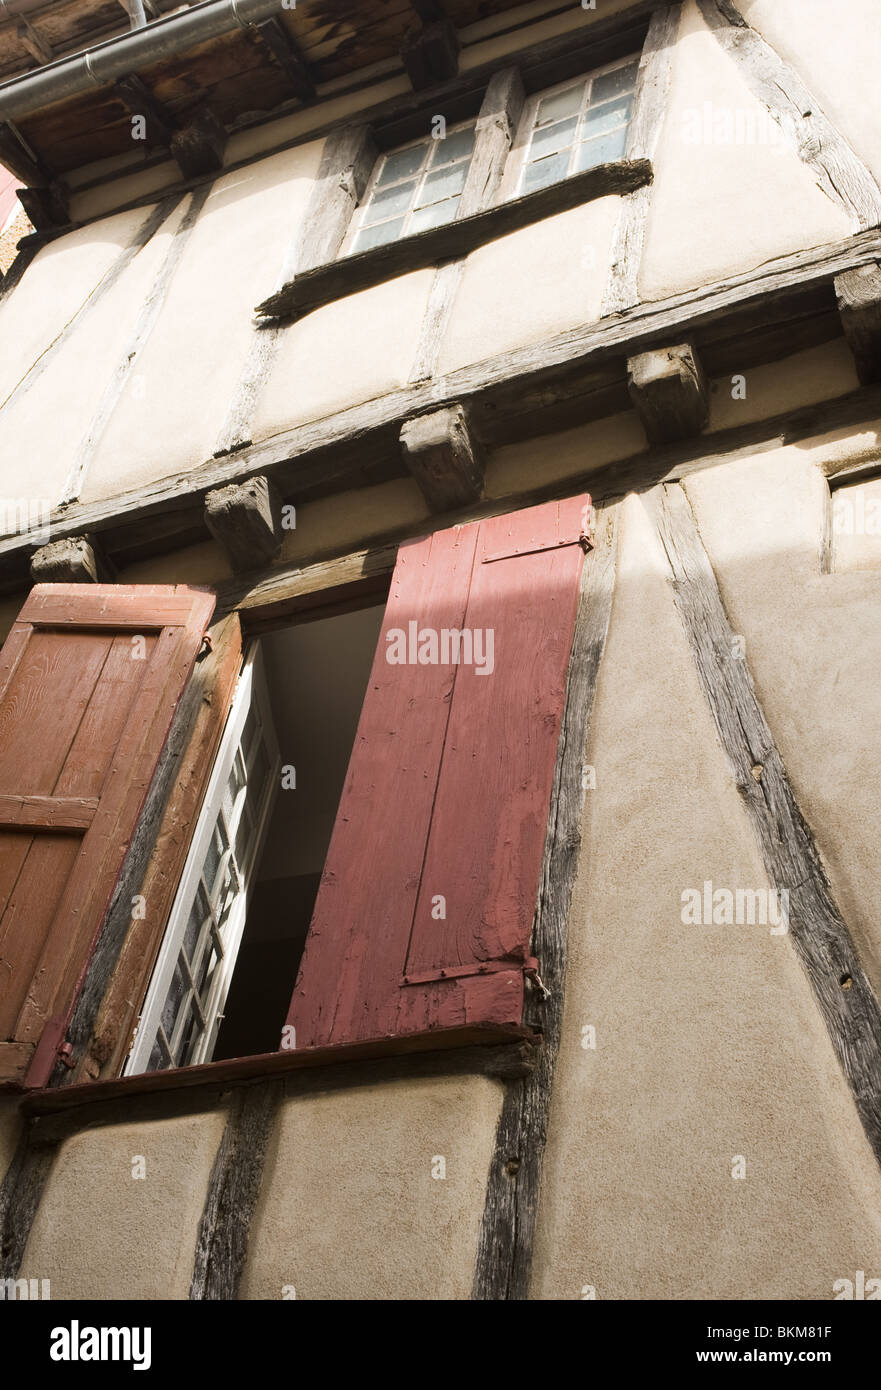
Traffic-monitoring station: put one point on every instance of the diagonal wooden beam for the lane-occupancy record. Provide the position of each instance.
(841, 174)
(792, 860)
(431, 54)
(137, 98)
(34, 43)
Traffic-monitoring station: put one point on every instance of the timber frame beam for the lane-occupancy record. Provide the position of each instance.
(566, 380)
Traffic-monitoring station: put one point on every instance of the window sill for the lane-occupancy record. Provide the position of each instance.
(350, 274)
(497, 1050)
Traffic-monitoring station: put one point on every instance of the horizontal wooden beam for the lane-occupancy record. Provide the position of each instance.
(859, 303)
(578, 375)
(60, 813)
(349, 274)
(445, 458)
(670, 392)
(245, 520)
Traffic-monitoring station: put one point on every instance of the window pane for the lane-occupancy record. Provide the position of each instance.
(195, 922)
(601, 151)
(552, 138)
(179, 987)
(402, 164)
(459, 145)
(445, 183)
(434, 216)
(566, 103)
(378, 236)
(601, 119)
(216, 851)
(388, 202)
(612, 84)
(546, 171)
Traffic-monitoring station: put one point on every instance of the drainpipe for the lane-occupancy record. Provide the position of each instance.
(119, 57)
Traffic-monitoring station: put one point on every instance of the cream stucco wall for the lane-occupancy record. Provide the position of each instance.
(709, 1045)
(720, 207)
(349, 1208)
(101, 1233)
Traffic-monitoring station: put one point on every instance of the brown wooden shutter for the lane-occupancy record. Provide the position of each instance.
(448, 790)
(90, 676)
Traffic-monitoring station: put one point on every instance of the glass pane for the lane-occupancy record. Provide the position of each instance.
(177, 991)
(612, 84)
(192, 1031)
(602, 150)
(459, 145)
(159, 1057)
(379, 235)
(545, 171)
(206, 972)
(235, 783)
(251, 730)
(435, 216)
(198, 913)
(600, 119)
(259, 776)
(566, 103)
(401, 165)
(552, 138)
(245, 834)
(444, 183)
(215, 853)
(389, 202)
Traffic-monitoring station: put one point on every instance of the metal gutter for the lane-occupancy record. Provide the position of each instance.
(103, 64)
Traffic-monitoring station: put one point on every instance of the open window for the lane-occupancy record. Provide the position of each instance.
(363, 865)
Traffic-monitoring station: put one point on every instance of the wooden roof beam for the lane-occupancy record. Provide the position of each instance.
(245, 520)
(859, 305)
(198, 147)
(137, 98)
(33, 43)
(287, 54)
(73, 560)
(431, 54)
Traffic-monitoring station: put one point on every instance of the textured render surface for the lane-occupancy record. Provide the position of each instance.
(101, 1233)
(531, 284)
(174, 405)
(724, 206)
(817, 374)
(42, 428)
(814, 646)
(10, 1129)
(856, 526)
(837, 56)
(708, 1043)
(518, 467)
(349, 1208)
(345, 353)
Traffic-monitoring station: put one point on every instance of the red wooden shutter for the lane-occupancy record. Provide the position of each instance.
(448, 789)
(90, 676)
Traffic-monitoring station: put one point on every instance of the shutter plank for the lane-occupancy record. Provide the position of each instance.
(83, 722)
(348, 982)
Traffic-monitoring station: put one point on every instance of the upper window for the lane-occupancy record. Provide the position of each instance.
(414, 188)
(578, 125)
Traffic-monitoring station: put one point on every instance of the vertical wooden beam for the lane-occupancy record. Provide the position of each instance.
(495, 129)
(444, 457)
(346, 164)
(647, 119)
(670, 392)
(21, 1190)
(840, 173)
(507, 1230)
(792, 861)
(859, 304)
(222, 1245)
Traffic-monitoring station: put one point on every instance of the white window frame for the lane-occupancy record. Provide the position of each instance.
(357, 221)
(251, 691)
(515, 170)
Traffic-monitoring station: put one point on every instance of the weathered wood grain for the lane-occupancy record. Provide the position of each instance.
(311, 289)
(445, 458)
(245, 520)
(840, 173)
(858, 293)
(73, 560)
(792, 860)
(222, 1244)
(646, 121)
(670, 391)
(20, 1193)
(728, 320)
(507, 1230)
(431, 54)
